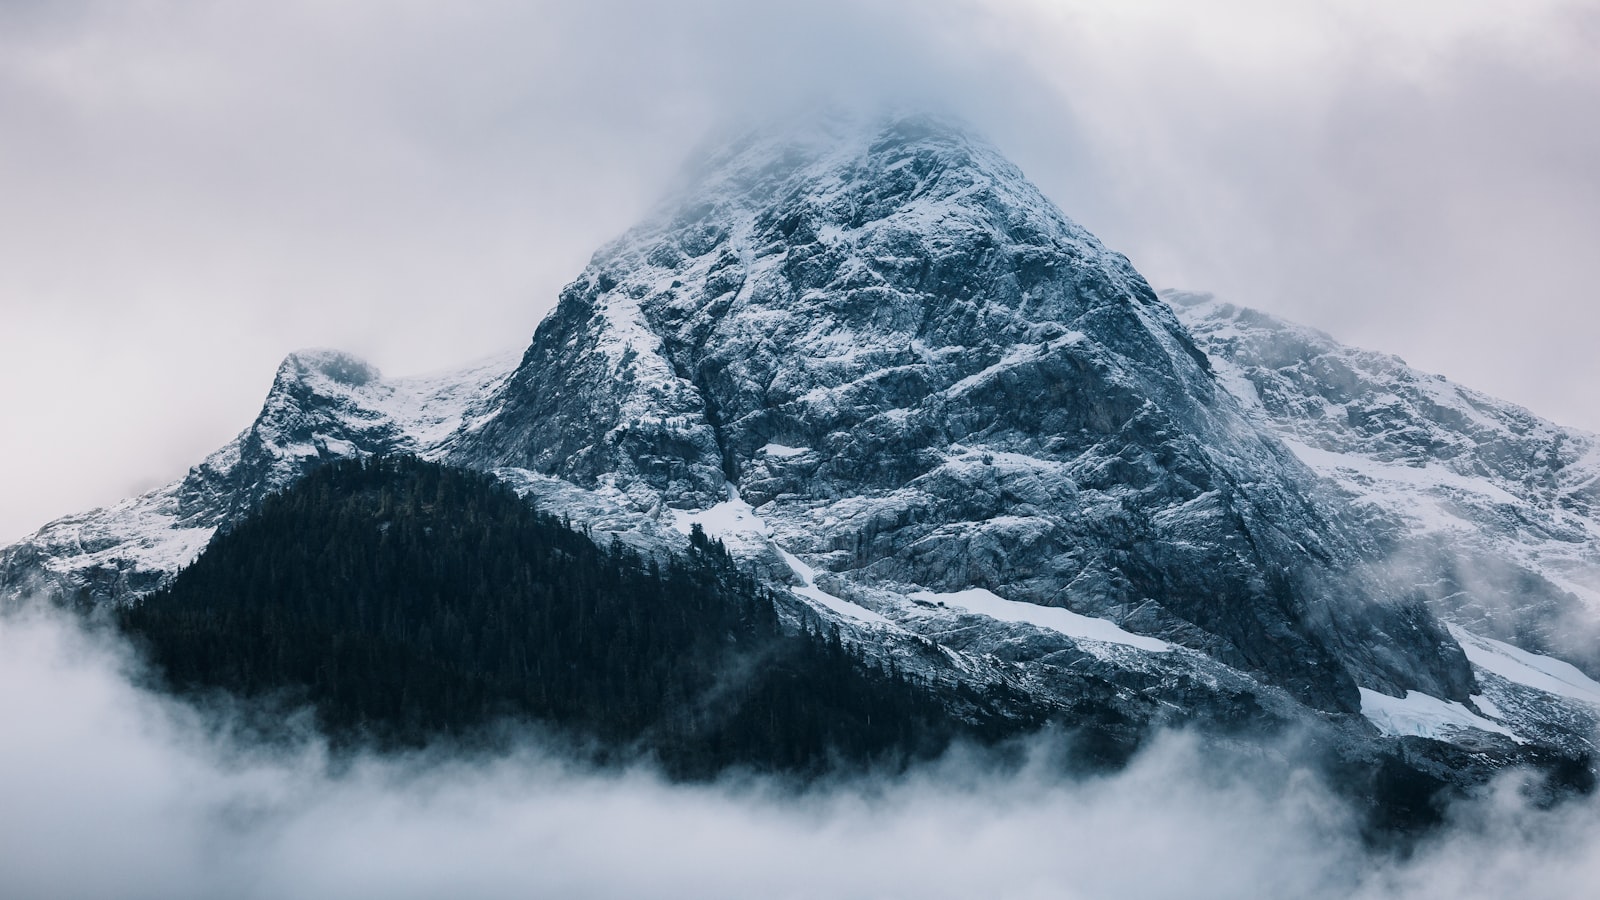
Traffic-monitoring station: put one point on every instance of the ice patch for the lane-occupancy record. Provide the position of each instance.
(1514, 664)
(1430, 476)
(810, 591)
(1488, 706)
(1422, 715)
(1073, 625)
(781, 451)
(733, 521)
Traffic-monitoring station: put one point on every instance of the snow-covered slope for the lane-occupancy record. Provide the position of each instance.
(895, 380)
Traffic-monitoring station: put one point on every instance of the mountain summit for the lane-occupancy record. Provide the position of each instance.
(928, 378)
(900, 385)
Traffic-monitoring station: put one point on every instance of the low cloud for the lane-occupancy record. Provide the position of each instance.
(110, 791)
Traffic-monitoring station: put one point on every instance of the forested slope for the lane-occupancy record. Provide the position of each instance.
(405, 600)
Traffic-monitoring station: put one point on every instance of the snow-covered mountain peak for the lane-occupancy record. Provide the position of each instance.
(842, 180)
(971, 393)
(911, 394)
(333, 365)
(322, 404)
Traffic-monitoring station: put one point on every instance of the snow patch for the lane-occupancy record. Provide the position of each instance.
(733, 521)
(1488, 706)
(1430, 476)
(1422, 493)
(1423, 715)
(1542, 673)
(1073, 625)
(810, 591)
(1015, 356)
(783, 452)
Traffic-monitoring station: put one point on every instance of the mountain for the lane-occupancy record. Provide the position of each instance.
(929, 379)
(903, 388)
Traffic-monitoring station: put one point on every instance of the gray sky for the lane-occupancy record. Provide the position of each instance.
(189, 191)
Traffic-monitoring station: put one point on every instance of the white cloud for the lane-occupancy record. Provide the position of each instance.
(109, 791)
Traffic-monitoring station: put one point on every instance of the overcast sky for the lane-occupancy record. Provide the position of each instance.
(190, 190)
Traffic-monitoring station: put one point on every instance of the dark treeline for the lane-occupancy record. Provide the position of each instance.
(405, 601)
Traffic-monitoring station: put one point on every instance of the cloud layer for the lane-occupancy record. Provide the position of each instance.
(109, 791)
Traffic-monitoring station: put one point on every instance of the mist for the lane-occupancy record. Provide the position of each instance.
(110, 790)
(194, 190)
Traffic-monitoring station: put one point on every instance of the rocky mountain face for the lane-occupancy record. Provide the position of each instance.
(1493, 512)
(894, 378)
(927, 378)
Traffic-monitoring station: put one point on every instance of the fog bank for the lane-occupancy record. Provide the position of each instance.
(109, 791)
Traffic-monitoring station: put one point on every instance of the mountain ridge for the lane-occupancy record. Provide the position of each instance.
(1499, 502)
(865, 298)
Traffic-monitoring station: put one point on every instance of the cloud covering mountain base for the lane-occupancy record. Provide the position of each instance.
(111, 790)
